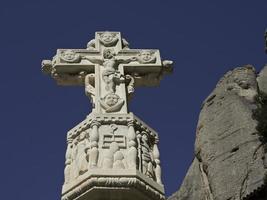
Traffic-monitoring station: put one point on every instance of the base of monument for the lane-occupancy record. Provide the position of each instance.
(123, 185)
(107, 193)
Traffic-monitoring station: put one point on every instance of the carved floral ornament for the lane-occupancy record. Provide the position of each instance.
(108, 39)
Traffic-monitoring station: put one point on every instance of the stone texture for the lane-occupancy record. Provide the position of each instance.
(228, 162)
(262, 80)
(193, 184)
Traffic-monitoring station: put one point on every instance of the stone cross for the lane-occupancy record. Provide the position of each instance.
(112, 153)
(108, 69)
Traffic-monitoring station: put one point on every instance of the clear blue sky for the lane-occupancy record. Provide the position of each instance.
(204, 39)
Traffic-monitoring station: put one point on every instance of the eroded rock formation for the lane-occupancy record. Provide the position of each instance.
(229, 161)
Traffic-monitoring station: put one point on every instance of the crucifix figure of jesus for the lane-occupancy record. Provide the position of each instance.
(108, 69)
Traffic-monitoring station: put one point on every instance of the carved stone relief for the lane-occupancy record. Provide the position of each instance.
(113, 136)
(148, 155)
(68, 162)
(94, 137)
(69, 56)
(108, 39)
(111, 102)
(91, 44)
(112, 143)
(113, 157)
(81, 161)
(146, 56)
(132, 151)
(77, 155)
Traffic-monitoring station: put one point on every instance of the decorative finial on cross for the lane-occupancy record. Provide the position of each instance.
(108, 69)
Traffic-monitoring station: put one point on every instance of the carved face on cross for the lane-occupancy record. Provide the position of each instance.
(146, 56)
(111, 99)
(108, 38)
(68, 55)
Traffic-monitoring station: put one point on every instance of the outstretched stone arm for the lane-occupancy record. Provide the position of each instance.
(126, 61)
(94, 59)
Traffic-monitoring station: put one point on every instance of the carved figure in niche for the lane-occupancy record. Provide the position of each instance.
(157, 168)
(81, 161)
(68, 162)
(88, 146)
(108, 39)
(70, 56)
(111, 102)
(75, 169)
(119, 162)
(111, 76)
(147, 162)
(146, 56)
(108, 159)
(89, 83)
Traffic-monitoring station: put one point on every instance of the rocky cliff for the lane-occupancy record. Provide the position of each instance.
(230, 148)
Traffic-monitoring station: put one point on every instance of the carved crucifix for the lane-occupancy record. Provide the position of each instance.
(108, 69)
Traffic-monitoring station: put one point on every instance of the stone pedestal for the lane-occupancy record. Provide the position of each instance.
(112, 156)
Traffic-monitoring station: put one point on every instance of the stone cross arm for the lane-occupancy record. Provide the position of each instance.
(69, 66)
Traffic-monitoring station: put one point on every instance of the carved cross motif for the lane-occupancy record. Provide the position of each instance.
(112, 137)
(108, 69)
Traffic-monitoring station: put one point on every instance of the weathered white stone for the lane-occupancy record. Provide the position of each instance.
(112, 154)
